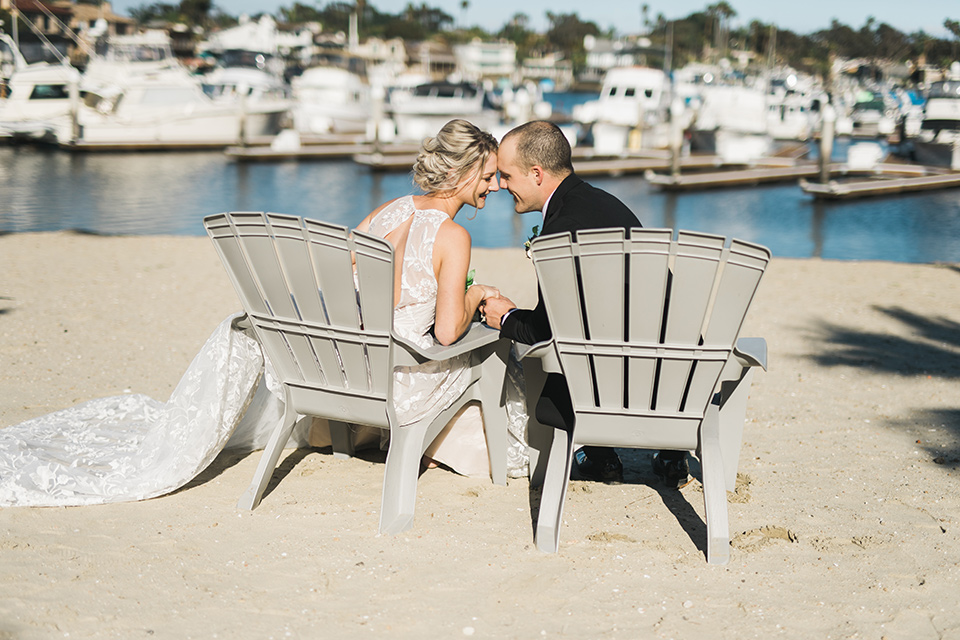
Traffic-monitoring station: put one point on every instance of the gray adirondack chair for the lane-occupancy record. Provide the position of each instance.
(330, 338)
(645, 331)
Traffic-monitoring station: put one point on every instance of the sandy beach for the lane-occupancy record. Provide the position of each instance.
(845, 523)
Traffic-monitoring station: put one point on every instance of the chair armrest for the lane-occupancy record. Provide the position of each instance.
(545, 351)
(751, 352)
(477, 336)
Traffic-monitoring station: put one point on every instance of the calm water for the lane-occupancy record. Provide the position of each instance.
(169, 193)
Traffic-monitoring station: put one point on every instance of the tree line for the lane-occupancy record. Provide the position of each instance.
(696, 37)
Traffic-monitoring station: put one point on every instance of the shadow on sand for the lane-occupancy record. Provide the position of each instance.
(927, 347)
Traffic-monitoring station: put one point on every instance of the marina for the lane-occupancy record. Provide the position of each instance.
(168, 193)
(290, 120)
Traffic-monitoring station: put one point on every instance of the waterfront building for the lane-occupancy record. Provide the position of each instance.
(478, 60)
(551, 67)
(434, 60)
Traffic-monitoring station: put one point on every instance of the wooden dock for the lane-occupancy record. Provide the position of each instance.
(254, 146)
(729, 178)
(318, 152)
(770, 174)
(879, 186)
(586, 162)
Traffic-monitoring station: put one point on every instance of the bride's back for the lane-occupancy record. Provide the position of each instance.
(412, 232)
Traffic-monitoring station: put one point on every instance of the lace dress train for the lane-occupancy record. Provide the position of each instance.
(133, 447)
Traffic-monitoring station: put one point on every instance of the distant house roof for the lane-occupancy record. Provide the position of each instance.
(90, 13)
(35, 6)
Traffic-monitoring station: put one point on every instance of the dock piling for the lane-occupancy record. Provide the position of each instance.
(676, 136)
(827, 125)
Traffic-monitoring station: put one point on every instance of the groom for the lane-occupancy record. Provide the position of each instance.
(535, 167)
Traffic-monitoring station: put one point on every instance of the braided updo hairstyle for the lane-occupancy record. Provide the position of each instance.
(458, 148)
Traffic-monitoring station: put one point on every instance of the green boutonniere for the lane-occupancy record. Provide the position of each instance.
(534, 232)
(470, 278)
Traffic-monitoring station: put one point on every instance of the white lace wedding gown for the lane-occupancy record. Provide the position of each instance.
(133, 447)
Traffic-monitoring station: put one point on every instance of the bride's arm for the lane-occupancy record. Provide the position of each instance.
(451, 258)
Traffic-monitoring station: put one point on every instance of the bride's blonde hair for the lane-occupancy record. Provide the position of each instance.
(445, 160)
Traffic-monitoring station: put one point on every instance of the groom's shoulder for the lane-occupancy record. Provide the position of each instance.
(586, 193)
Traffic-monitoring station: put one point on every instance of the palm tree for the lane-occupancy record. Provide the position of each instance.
(953, 27)
(722, 12)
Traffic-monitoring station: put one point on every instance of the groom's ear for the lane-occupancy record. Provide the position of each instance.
(537, 172)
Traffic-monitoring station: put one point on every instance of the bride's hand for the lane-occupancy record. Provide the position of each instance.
(488, 292)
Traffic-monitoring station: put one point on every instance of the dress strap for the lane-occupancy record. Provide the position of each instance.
(392, 216)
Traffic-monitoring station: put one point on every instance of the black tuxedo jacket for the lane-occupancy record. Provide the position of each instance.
(574, 205)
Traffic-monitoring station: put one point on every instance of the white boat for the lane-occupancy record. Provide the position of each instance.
(938, 141)
(330, 100)
(524, 103)
(120, 58)
(244, 67)
(164, 111)
(256, 79)
(39, 106)
(422, 111)
(32, 94)
(630, 112)
(731, 122)
(171, 111)
(793, 107)
(133, 96)
(872, 115)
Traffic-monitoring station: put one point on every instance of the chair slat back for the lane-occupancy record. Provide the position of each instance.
(322, 328)
(643, 321)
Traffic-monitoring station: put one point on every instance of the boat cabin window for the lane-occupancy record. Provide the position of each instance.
(945, 89)
(49, 92)
(445, 90)
(246, 59)
(630, 92)
(869, 105)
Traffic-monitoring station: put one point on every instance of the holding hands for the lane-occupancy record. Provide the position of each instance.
(493, 308)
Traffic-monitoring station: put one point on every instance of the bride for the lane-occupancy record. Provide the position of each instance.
(133, 447)
(456, 168)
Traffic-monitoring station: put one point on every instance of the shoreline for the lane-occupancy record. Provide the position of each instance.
(845, 523)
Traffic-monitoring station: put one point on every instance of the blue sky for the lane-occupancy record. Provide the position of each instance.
(801, 16)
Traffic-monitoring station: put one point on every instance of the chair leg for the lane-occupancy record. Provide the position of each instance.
(268, 461)
(733, 411)
(539, 436)
(492, 378)
(714, 490)
(341, 437)
(559, 461)
(400, 478)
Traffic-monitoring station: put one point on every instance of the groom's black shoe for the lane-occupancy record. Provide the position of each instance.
(609, 470)
(673, 472)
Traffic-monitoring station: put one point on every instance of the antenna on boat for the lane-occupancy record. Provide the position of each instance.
(11, 7)
(47, 44)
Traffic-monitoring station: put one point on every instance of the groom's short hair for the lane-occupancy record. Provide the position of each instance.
(542, 143)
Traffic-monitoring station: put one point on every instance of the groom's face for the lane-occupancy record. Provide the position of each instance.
(524, 186)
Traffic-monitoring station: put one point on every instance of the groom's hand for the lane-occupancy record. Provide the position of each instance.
(494, 308)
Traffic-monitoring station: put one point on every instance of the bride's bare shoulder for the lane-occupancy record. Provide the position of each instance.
(452, 234)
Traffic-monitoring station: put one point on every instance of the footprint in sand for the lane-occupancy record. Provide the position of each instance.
(605, 536)
(756, 539)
